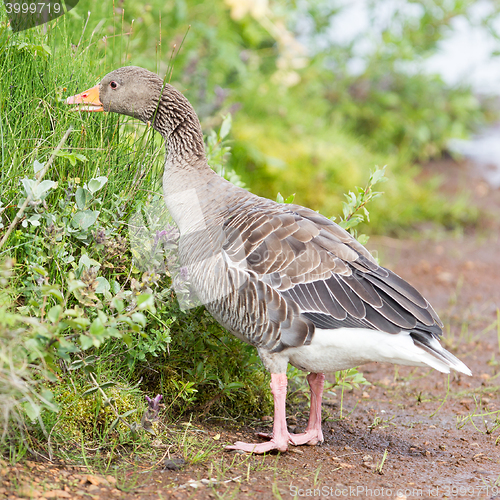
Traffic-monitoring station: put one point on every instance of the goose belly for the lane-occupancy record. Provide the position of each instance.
(343, 348)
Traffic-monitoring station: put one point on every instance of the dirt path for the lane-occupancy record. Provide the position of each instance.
(413, 433)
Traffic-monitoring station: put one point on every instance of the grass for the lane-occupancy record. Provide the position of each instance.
(87, 314)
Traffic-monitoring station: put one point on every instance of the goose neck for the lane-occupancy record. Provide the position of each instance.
(176, 120)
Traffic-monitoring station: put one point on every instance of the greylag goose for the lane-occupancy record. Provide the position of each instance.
(281, 277)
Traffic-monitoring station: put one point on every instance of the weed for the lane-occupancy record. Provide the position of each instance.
(489, 426)
(380, 465)
(382, 423)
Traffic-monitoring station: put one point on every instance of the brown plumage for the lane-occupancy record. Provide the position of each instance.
(280, 277)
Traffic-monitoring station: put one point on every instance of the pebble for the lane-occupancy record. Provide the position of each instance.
(57, 494)
(174, 464)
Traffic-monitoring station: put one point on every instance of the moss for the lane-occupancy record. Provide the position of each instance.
(88, 417)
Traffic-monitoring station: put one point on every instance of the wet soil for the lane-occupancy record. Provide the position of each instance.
(412, 433)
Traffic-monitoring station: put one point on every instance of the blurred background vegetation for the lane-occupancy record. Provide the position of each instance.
(82, 327)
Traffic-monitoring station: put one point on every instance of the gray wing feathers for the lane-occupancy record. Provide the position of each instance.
(312, 273)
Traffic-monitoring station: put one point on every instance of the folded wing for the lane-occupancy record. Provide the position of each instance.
(309, 266)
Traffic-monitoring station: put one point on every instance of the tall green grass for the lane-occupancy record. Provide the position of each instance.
(86, 328)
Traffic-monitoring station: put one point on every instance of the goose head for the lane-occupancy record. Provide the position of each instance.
(141, 94)
(130, 91)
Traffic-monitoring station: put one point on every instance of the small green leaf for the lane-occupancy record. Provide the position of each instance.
(139, 318)
(145, 301)
(84, 219)
(90, 391)
(86, 342)
(32, 410)
(53, 291)
(82, 196)
(129, 412)
(363, 239)
(76, 365)
(107, 384)
(81, 157)
(97, 328)
(115, 422)
(226, 126)
(86, 262)
(118, 304)
(96, 184)
(54, 313)
(40, 270)
(378, 175)
(37, 166)
(103, 285)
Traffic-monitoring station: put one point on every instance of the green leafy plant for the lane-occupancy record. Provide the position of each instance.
(354, 210)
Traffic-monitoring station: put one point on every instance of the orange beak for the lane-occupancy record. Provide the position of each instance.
(90, 98)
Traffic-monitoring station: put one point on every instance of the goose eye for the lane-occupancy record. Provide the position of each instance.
(113, 85)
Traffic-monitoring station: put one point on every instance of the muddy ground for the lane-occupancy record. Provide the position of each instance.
(413, 433)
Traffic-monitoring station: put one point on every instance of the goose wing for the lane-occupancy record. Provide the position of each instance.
(321, 272)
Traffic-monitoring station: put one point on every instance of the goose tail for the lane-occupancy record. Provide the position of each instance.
(438, 357)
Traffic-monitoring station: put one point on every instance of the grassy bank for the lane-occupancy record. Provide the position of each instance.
(87, 329)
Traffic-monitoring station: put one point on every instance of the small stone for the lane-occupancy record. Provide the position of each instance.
(267, 418)
(174, 464)
(367, 458)
(93, 488)
(56, 494)
(208, 481)
(27, 490)
(111, 479)
(96, 480)
(445, 277)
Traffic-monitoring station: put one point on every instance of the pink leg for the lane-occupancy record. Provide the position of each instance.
(281, 437)
(313, 434)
